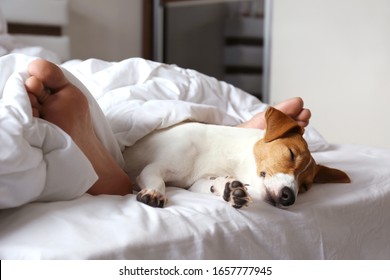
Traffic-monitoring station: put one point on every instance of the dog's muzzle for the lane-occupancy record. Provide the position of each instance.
(285, 198)
(281, 190)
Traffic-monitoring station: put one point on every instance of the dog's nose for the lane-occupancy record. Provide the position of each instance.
(287, 197)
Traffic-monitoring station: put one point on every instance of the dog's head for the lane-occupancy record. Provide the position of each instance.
(284, 162)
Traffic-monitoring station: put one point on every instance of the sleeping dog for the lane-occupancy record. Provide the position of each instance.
(235, 163)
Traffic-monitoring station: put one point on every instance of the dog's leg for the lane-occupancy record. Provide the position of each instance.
(152, 186)
(228, 188)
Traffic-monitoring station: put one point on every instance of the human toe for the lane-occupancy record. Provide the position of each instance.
(34, 85)
(293, 106)
(36, 89)
(35, 106)
(48, 73)
(303, 117)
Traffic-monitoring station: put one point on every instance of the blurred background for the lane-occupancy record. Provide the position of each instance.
(335, 54)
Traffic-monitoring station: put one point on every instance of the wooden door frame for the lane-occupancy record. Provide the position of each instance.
(147, 29)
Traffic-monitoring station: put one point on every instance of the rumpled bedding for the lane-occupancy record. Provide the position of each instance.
(43, 176)
(39, 162)
(332, 221)
(134, 97)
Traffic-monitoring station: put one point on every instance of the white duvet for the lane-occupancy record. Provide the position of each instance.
(40, 163)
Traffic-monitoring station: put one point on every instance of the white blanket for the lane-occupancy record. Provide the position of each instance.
(139, 96)
(333, 221)
(40, 162)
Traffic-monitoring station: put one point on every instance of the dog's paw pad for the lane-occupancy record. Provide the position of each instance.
(151, 198)
(236, 194)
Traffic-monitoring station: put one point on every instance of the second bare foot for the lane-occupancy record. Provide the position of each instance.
(293, 107)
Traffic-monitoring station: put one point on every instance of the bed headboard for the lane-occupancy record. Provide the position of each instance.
(39, 22)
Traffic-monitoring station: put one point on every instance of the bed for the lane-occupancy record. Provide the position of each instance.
(331, 221)
(136, 97)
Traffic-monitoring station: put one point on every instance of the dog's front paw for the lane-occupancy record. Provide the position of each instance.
(236, 194)
(152, 198)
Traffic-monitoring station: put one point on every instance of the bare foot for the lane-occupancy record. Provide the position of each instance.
(56, 100)
(293, 107)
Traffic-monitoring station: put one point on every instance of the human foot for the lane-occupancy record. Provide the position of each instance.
(56, 100)
(293, 107)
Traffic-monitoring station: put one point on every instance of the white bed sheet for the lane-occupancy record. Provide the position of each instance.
(331, 221)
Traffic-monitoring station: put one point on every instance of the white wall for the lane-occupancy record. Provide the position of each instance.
(336, 55)
(107, 29)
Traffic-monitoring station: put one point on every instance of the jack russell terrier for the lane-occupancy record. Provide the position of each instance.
(236, 163)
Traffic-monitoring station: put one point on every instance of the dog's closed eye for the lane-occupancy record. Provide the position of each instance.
(292, 156)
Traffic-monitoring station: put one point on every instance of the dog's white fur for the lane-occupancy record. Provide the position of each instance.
(194, 153)
(211, 158)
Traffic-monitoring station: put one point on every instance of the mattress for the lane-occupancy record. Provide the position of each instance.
(136, 96)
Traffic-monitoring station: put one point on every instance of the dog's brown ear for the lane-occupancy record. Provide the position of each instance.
(330, 175)
(279, 124)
